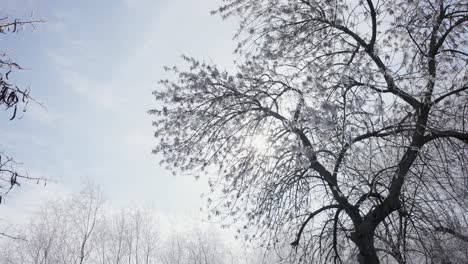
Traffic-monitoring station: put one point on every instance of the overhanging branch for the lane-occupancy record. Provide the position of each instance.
(452, 232)
(295, 243)
(435, 134)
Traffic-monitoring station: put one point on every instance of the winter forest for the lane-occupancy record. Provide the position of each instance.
(234, 131)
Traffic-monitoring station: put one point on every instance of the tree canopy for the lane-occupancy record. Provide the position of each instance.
(362, 108)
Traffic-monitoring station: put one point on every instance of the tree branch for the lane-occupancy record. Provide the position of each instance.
(442, 97)
(374, 24)
(295, 243)
(449, 30)
(452, 232)
(392, 87)
(434, 134)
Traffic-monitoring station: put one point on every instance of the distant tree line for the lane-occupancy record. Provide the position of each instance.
(80, 229)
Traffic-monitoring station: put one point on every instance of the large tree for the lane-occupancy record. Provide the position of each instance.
(362, 109)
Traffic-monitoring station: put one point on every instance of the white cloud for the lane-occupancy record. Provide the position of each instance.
(99, 93)
(114, 147)
(137, 3)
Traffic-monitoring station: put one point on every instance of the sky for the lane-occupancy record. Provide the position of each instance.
(93, 65)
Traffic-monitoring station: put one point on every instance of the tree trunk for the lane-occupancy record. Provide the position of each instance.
(364, 240)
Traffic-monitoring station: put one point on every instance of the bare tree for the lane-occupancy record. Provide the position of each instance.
(197, 246)
(63, 232)
(84, 212)
(13, 99)
(79, 229)
(127, 236)
(362, 108)
(42, 238)
(111, 239)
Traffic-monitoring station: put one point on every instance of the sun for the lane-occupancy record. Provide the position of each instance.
(260, 143)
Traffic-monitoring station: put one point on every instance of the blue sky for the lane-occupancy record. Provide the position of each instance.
(94, 64)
